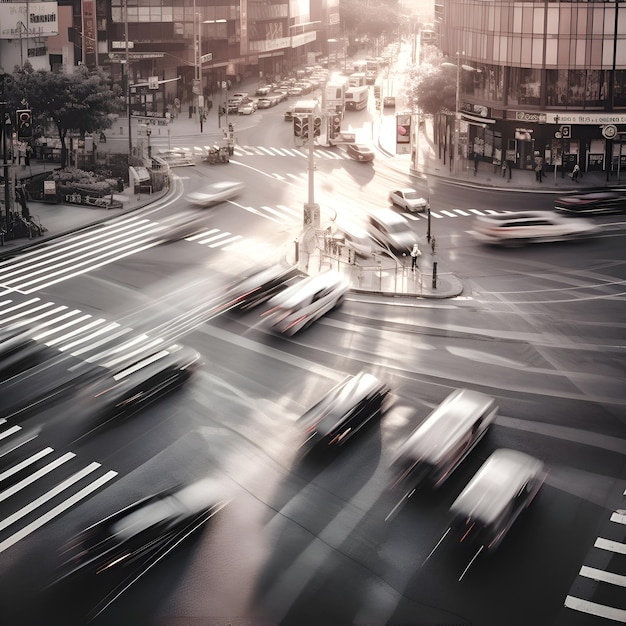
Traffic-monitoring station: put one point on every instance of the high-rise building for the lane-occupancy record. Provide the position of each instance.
(538, 81)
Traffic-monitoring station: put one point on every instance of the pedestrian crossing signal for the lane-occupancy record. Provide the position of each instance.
(24, 124)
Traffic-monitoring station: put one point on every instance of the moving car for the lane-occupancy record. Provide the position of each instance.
(301, 304)
(18, 349)
(441, 442)
(391, 230)
(263, 91)
(141, 533)
(355, 237)
(591, 203)
(216, 193)
(502, 488)
(133, 382)
(183, 224)
(408, 199)
(258, 287)
(174, 158)
(530, 227)
(247, 108)
(266, 103)
(359, 152)
(341, 413)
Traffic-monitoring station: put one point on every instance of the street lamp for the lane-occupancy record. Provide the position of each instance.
(5, 120)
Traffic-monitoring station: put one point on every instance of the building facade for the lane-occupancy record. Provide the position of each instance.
(539, 82)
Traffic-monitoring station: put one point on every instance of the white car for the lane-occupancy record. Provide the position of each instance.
(216, 193)
(408, 199)
(391, 230)
(530, 227)
(301, 304)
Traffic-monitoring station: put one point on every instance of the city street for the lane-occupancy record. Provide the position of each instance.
(537, 327)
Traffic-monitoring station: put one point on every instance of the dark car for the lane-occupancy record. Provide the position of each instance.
(141, 533)
(19, 350)
(588, 203)
(341, 413)
(132, 383)
(359, 152)
(258, 287)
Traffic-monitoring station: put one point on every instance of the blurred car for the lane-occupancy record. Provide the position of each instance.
(18, 348)
(355, 237)
(502, 488)
(183, 224)
(441, 442)
(280, 94)
(248, 108)
(408, 199)
(263, 91)
(215, 193)
(292, 92)
(266, 103)
(233, 104)
(591, 203)
(359, 152)
(176, 159)
(341, 413)
(529, 227)
(391, 230)
(301, 304)
(141, 533)
(389, 101)
(288, 115)
(258, 287)
(240, 95)
(370, 78)
(133, 382)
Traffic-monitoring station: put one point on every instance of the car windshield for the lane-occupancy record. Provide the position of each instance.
(410, 195)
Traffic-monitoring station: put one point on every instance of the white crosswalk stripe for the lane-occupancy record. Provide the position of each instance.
(320, 153)
(37, 493)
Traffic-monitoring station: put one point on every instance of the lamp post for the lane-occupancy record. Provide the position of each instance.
(5, 120)
(130, 127)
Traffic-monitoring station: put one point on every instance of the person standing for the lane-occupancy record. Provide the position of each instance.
(416, 253)
(476, 161)
(575, 173)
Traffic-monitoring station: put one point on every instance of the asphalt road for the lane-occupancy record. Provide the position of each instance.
(305, 543)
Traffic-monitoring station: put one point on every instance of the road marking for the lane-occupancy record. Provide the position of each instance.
(461, 212)
(225, 242)
(612, 546)
(449, 213)
(47, 333)
(25, 463)
(295, 212)
(214, 237)
(73, 333)
(619, 517)
(584, 606)
(476, 212)
(201, 235)
(602, 576)
(8, 433)
(436, 215)
(56, 511)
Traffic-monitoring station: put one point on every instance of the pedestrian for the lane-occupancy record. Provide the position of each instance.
(416, 253)
(503, 169)
(575, 173)
(103, 137)
(538, 172)
(476, 161)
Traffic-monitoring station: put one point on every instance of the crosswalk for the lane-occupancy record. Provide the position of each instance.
(602, 572)
(265, 151)
(38, 483)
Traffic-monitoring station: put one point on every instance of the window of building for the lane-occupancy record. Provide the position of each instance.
(524, 86)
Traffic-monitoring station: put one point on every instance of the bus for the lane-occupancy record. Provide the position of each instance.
(359, 66)
(358, 79)
(356, 98)
(333, 97)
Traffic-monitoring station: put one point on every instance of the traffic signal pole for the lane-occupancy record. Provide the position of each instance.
(311, 208)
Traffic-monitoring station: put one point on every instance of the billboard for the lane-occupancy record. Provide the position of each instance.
(28, 19)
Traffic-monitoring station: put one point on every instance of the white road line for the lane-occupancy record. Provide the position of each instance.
(107, 339)
(612, 546)
(225, 242)
(21, 305)
(295, 212)
(37, 318)
(214, 237)
(300, 153)
(279, 177)
(203, 234)
(41, 336)
(410, 216)
(129, 355)
(73, 333)
(619, 517)
(296, 177)
(435, 215)
(281, 151)
(584, 606)
(56, 511)
(83, 339)
(9, 432)
(25, 463)
(461, 212)
(448, 213)
(46, 469)
(266, 151)
(44, 323)
(602, 576)
(476, 212)
(289, 151)
(491, 212)
(267, 208)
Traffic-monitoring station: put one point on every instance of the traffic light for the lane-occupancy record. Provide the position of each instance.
(377, 92)
(335, 126)
(24, 123)
(297, 126)
(317, 126)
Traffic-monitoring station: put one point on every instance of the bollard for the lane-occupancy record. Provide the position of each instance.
(435, 275)
(121, 130)
(297, 255)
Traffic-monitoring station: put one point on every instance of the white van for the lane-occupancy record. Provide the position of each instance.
(441, 442)
(502, 488)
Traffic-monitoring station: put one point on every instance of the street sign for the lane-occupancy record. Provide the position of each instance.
(153, 82)
(134, 56)
(566, 131)
(206, 57)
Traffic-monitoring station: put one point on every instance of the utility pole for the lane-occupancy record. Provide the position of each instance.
(5, 131)
(130, 134)
(311, 208)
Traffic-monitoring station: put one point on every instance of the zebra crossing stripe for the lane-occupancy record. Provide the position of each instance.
(75, 332)
(476, 212)
(25, 463)
(265, 150)
(225, 242)
(56, 511)
(611, 546)
(461, 212)
(295, 212)
(201, 235)
(600, 610)
(62, 327)
(27, 314)
(10, 431)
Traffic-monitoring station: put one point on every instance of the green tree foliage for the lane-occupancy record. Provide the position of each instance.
(78, 101)
(431, 87)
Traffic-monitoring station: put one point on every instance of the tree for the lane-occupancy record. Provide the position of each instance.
(432, 87)
(78, 101)
(371, 17)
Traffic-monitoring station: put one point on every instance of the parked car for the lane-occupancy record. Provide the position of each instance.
(233, 104)
(441, 442)
(360, 152)
(591, 203)
(342, 412)
(391, 230)
(293, 92)
(530, 227)
(408, 199)
(494, 498)
(215, 193)
(258, 287)
(136, 536)
(300, 305)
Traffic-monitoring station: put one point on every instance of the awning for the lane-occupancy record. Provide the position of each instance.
(477, 119)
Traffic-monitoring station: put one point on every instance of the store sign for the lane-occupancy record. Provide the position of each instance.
(588, 118)
(525, 116)
(475, 109)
